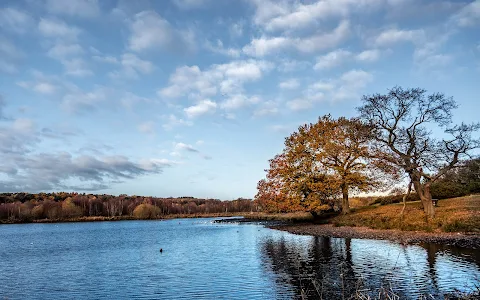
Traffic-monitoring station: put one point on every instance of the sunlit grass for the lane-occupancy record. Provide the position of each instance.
(451, 215)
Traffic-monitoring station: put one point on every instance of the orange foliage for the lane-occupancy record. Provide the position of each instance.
(321, 162)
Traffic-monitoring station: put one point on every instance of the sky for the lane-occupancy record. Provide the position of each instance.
(193, 97)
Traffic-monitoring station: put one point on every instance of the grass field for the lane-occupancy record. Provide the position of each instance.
(451, 215)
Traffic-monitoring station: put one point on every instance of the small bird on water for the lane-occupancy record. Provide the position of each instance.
(161, 250)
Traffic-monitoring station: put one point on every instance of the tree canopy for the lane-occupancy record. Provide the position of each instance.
(320, 163)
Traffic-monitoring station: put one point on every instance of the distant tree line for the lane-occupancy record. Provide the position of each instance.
(27, 207)
(461, 181)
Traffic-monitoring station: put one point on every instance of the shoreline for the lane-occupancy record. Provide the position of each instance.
(457, 239)
(124, 218)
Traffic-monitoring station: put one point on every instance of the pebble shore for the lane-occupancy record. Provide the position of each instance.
(404, 237)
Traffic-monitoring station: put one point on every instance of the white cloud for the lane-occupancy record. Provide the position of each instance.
(23, 125)
(392, 36)
(268, 108)
(45, 88)
(76, 67)
(368, 55)
(267, 10)
(322, 86)
(270, 45)
(173, 121)
(289, 16)
(338, 57)
(265, 46)
(469, 15)
(289, 84)
(356, 78)
(26, 167)
(150, 31)
(186, 79)
(80, 8)
(94, 50)
(236, 29)
(15, 20)
(227, 78)
(304, 103)
(238, 101)
(243, 70)
(185, 147)
(147, 127)
(78, 101)
(286, 65)
(129, 100)
(220, 49)
(201, 108)
(106, 59)
(332, 59)
(346, 87)
(57, 29)
(427, 58)
(132, 65)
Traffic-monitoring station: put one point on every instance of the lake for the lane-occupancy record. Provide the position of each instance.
(206, 260)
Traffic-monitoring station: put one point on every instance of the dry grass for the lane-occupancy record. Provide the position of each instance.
(452, 215)
(356, 202)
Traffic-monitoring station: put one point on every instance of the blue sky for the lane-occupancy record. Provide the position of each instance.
(192, 97)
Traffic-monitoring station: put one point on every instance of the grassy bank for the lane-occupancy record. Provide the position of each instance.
(452, 215)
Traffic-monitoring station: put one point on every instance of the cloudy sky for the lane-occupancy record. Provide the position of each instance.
(192, 97)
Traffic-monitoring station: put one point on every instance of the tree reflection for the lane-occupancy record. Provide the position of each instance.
(334, 268)
(322, 267)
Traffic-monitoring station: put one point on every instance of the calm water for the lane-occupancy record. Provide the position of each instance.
(206, 260)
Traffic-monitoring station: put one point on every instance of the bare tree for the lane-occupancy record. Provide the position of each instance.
(403, 120)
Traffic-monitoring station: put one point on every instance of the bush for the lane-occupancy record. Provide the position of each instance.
(447, 189)
(146, 211)
(70, 210)
(38, 212)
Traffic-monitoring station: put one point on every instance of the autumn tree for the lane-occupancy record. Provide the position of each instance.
(326, 160)
(403, 120)
(271, 196)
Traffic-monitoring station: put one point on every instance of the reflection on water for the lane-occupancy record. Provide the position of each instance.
(205, 260)
(335, 268)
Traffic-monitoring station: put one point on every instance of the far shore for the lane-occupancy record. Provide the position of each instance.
(124, 218)
(458, 239)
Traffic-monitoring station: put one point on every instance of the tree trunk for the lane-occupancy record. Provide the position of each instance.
(405, 197)
(423, 191)
(345, 205)
(427, 201)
